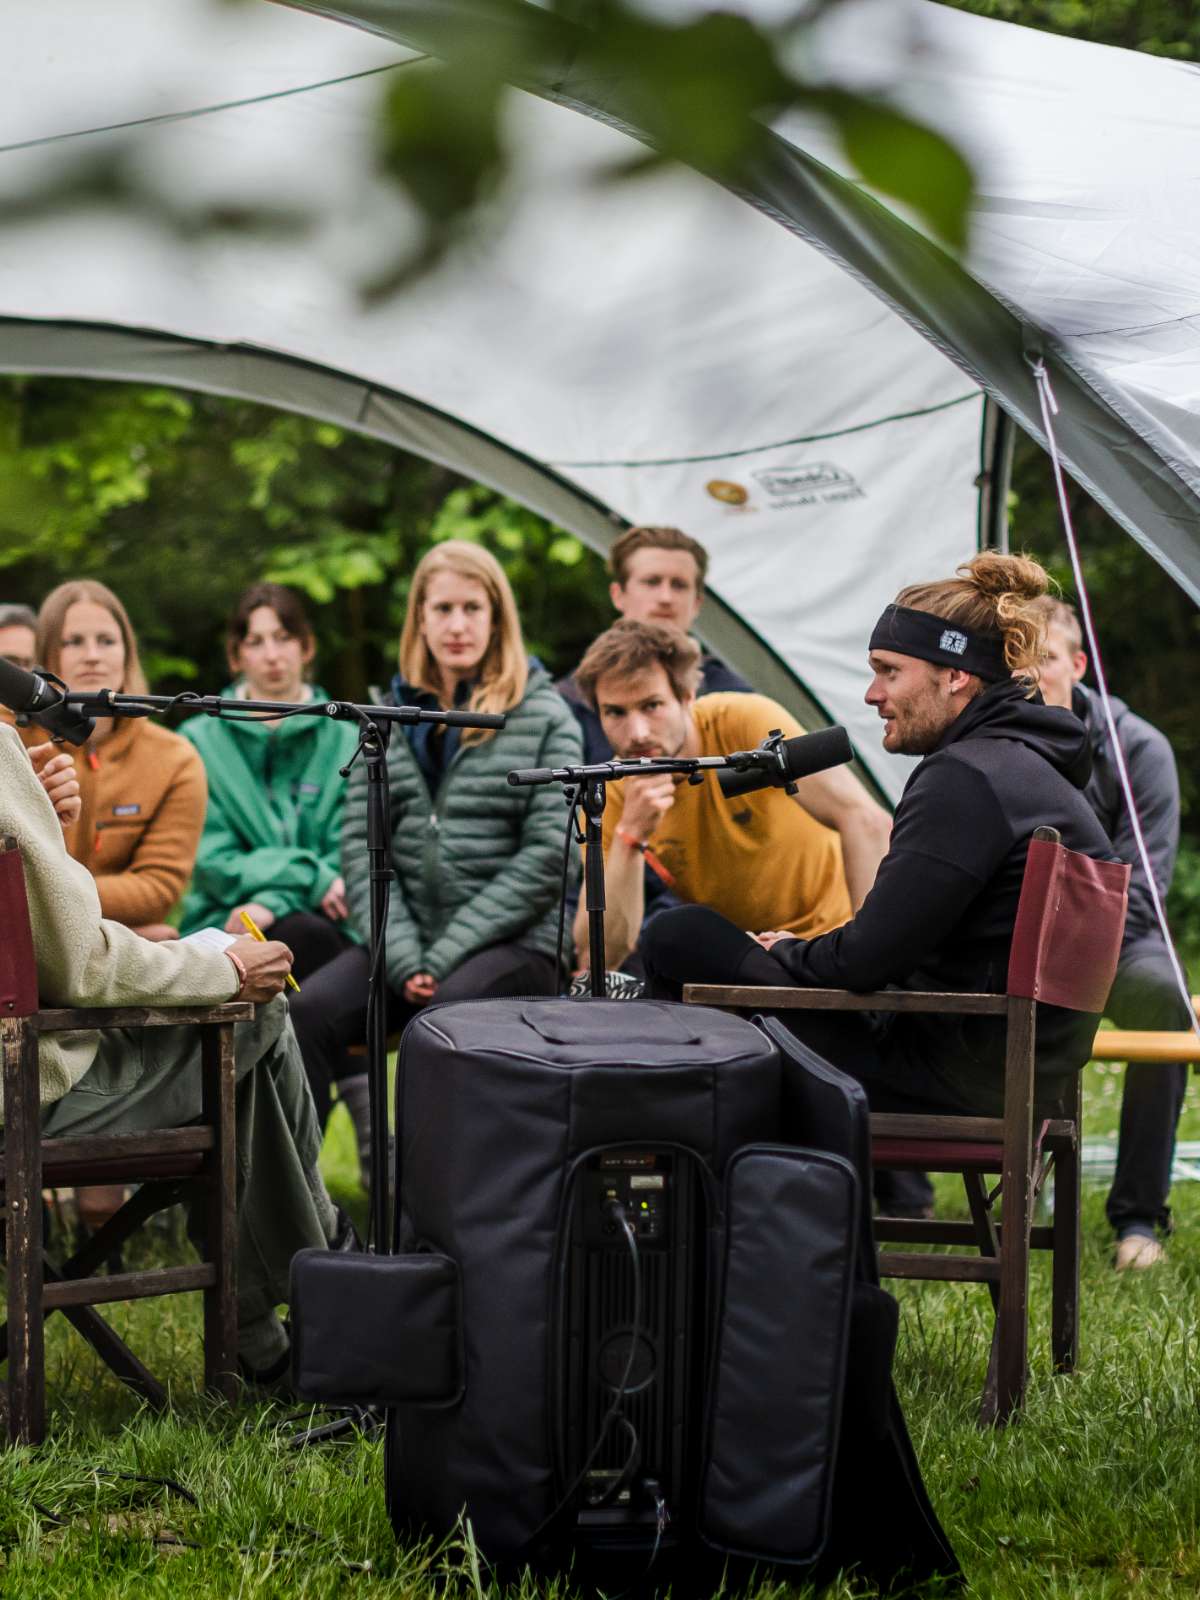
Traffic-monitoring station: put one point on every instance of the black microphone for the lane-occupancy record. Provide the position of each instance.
(472, 719)
(39, 700)
(779, 762)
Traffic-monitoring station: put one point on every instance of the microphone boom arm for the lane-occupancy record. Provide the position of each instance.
(107, 703)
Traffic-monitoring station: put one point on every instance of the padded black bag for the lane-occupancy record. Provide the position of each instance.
(649, 1219)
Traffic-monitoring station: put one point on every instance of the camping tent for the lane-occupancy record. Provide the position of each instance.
(659, 350)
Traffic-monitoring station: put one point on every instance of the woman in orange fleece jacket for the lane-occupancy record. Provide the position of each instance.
(142, 787)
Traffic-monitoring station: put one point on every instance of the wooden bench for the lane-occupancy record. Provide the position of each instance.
(1132, 1044)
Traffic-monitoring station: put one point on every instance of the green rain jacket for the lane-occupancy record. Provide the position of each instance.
(274, 819)
(479, 863)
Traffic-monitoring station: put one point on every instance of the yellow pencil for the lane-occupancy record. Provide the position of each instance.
(256, 932)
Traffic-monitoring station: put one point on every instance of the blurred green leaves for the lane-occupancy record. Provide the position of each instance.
(906, 160)
(702, 91)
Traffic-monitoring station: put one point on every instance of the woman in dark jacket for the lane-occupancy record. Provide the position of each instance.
(477, 863)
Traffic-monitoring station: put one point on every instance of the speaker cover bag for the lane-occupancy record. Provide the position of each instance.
(376, 1330)
(775, 1406)
(495, 1100)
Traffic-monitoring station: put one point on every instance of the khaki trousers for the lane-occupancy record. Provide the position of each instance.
(150, 1078)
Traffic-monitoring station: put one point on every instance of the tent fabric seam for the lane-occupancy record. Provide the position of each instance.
(779, 444)
(166, 118)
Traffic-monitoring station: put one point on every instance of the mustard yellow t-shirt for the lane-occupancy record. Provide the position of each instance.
(760, 860)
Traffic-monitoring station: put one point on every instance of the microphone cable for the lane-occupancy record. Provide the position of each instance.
(617, 1211)
(562, 976)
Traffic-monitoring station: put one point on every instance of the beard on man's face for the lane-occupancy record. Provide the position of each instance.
(917, 726)
(924, 721)
(916, 735)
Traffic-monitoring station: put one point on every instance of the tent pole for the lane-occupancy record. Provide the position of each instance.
(997, 437)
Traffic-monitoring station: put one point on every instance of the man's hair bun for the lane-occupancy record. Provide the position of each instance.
(995, 574)
(993, 593)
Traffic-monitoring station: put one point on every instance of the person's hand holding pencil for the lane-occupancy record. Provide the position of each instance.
(256, 933)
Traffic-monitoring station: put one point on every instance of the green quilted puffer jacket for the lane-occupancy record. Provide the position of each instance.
(479, 863)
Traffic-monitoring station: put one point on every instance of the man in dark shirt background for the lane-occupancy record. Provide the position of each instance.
(657, 576)
(1145, 993)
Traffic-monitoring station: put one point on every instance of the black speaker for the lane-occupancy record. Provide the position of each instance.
(633, 1315)
(633, 1343)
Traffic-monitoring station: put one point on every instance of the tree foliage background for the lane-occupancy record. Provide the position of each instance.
(178, 500)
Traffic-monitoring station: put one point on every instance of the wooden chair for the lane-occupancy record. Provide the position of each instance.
(169, 1164)
(1065, 947)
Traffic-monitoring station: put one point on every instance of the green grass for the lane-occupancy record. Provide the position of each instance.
(1095, 1492)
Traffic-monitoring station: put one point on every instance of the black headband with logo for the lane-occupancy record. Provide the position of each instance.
(947, 644)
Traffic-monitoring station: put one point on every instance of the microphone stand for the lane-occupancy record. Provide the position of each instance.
(375, 725)
(586, 789)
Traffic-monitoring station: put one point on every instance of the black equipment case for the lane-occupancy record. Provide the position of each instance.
(634, 1313)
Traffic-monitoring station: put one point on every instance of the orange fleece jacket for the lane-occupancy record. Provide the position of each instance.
(144, 795)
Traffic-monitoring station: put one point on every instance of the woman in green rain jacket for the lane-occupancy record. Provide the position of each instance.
(272, 830)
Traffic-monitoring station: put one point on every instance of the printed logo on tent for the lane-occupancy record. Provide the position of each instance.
(728, 492)
(808, 483)
(953, 641)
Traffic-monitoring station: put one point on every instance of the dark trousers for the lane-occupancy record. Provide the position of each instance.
(1145, 995)
(695, 944)
(332, 1011)
(312, 938)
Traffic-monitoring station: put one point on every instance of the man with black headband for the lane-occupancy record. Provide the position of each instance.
(998, 763)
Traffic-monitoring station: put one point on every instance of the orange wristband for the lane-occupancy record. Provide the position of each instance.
(652, 861)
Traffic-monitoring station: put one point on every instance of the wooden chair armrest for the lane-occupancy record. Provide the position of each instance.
(911, 1125)
(739, 997)
(67, 1019)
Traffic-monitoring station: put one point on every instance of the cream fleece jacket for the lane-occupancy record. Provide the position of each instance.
(83, 960)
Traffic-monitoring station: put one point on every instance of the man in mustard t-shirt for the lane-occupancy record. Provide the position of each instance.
(762, 860)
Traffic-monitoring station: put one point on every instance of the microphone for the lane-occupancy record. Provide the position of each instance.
(472, 719)
(39, 699)
(778, 762)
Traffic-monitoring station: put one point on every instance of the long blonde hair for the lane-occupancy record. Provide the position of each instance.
(993, 593)
(504, 669)
(52, 619)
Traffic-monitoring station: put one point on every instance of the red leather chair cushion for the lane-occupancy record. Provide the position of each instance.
(1070, 920)
(18, 975)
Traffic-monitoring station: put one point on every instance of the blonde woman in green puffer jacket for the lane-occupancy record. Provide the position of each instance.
(477, 863)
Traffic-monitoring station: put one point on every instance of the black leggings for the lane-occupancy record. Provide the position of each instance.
(331, 1014)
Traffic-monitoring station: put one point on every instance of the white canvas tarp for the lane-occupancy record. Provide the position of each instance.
(660, 351)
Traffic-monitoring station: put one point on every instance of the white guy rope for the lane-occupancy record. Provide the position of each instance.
(1050, 408)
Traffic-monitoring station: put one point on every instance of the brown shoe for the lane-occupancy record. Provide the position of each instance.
(1136, 1252)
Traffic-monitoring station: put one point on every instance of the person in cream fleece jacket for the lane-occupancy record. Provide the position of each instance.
(125, 1081)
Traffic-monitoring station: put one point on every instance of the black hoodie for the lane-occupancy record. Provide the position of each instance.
(940, 915)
